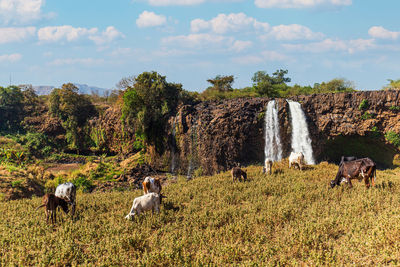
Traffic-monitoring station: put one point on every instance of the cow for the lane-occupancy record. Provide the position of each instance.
(296, 159)
(238, 173)
(348, 158)
(51, 202)
(67, 191)
(267, 169)
(151, 185)
(359, 169)
(150, 201)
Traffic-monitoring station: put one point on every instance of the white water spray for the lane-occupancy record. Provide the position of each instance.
(273, 146)
(301, 141)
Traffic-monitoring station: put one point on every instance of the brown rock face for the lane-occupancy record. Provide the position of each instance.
(217, 135)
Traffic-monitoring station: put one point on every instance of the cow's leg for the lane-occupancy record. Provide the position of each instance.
(366, 180)
(47, 216)
(349, 182)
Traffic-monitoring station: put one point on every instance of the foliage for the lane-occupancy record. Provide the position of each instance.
(374, 132)
(74, 110)
(394, 108)
(210, 94)
(37, 144)
(393, 138)
(367, 116)
(336, 85)
(288, 219)
(147, 105)
(266, 85)
(363, 105)
(221, 83)
(11, 108)
(83, 183)
(393, 85)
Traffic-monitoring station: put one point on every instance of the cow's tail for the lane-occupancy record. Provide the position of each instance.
(40, 206)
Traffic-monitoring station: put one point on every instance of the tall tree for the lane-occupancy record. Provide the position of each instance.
(74, 110)
(222, 83)
(147, 105)
(11, 108)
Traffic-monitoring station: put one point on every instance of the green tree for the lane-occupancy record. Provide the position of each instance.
(147, 104)
(11, 108)
(74, 110)
(222, 83)
(335, 86)
(393, 85)
(270, 86)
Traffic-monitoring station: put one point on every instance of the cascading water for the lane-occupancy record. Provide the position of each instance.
(273, 146)
(301, 141)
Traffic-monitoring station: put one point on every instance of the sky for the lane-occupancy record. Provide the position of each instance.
(98, 42)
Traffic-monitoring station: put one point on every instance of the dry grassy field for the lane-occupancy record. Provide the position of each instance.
(288, 218)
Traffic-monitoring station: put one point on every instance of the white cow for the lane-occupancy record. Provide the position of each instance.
(267, 169)
(67, 191)
(151, 185)
(150, 201)
(296, 158)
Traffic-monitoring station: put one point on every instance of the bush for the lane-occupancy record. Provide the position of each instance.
(363, 105)
(393, 138)
(83, 183)
(367, 116)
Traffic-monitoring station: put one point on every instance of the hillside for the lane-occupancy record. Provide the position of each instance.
(289, 218)
(83, 89)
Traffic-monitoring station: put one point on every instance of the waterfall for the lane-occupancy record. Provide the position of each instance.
(301, 141)
(273, 146)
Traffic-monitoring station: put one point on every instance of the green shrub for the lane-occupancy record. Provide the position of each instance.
(394, 108)
(83, 183)
(393, 138)
(16, 183)
(367, 116)
(363, 105)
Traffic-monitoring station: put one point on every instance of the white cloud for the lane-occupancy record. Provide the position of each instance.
(76, 61)
(10, 58)
(241, 45)
(299, 3)
(264, 56)
(227, 23)
(327, 45)
(20, 11)
(175, 2)
(107, 36)
(64, 33)
(196, 40)
(150, 19)
(9, 35)
(382, 33)
(294, 32)
(70, 34)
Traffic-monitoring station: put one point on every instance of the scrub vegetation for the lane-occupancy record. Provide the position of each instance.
(288, 218)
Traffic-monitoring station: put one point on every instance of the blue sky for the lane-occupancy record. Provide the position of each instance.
(190, 41)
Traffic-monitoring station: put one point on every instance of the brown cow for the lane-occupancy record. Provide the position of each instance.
(238, 173)
(51, 202)
(359, 169)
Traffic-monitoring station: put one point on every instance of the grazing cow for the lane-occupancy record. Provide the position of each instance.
(51, 202)
(296, 159)
(267, 166)
(238, 173)
(151, 185)
(349, 158)
(150, 201)
(67, 191)
(359, 169)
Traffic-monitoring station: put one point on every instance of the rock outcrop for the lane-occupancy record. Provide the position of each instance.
(217, 135)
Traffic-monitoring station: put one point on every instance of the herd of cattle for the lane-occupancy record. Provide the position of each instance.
(349, 168)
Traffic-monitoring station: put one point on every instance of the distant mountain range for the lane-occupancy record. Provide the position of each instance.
(83, 89)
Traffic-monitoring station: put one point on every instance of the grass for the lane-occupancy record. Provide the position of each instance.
(288, 218)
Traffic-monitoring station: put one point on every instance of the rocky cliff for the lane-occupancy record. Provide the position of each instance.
(214, 136)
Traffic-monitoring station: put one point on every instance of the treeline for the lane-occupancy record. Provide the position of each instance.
(131, 119)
